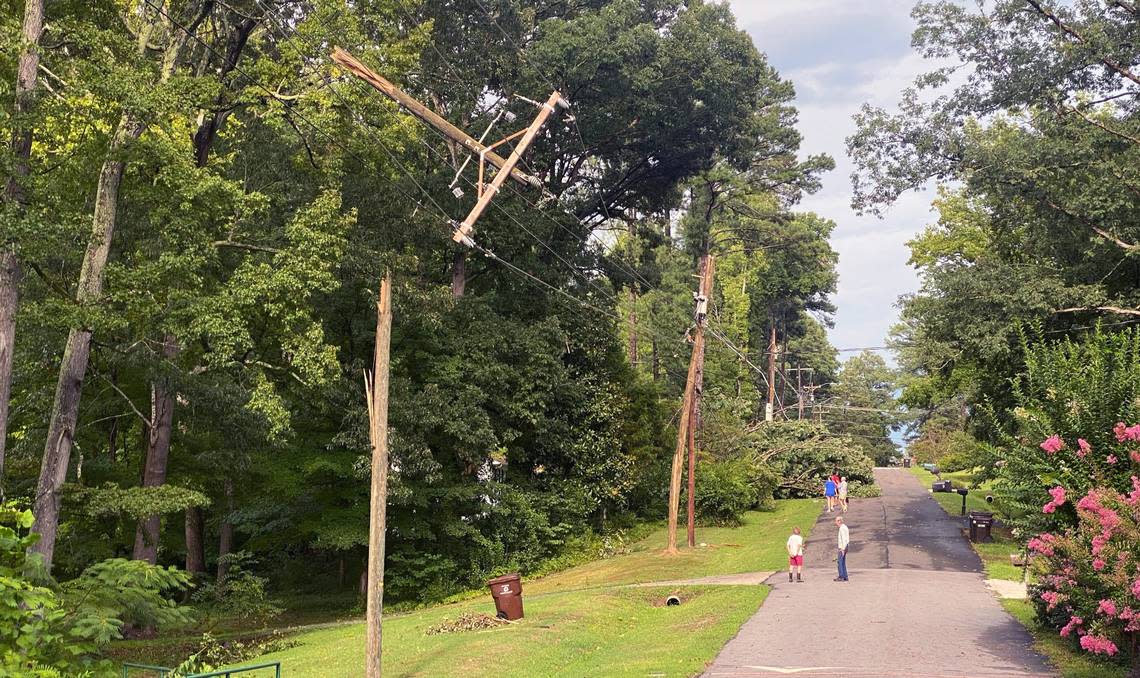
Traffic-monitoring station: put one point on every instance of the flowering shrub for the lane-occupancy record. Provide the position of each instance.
(1076, 426)
(1092, 589)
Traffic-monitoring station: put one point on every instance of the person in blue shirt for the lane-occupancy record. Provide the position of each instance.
(829, 493)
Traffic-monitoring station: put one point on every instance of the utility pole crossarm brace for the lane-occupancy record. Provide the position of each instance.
(357, 68)
(486, 193)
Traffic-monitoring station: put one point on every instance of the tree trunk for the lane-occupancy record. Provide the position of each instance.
(9, 302)
(633, 357)
(157, 454)
(459, 274)
(226, 536)
(65, 408)
(195, 542)
(21, 147)
(655, 366)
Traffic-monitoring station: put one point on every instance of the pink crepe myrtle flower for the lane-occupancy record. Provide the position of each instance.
(1074, 622)
(1107, 607)
(1098, 564)
(1083, 447)
(1126, 433)
(1058, 494)
(1136, 588)
(1053, 444)
(1043, 544)
(1052, 598)
(1134, 455)
(1098, 543)
(1134, 496)
(1111, 459)
(1098, 645)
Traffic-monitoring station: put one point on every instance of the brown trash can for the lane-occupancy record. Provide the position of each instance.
(507, 592)
(980, 524)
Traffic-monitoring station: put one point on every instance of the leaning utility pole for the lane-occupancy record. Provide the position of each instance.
(688, 419)
(411, 105)
(769, 407)
(507, 167)
(376, 396)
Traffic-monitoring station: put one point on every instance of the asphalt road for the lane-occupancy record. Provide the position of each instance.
(916, 604)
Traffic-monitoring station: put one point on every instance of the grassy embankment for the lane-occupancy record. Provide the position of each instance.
(584, 620)
(1071, 662)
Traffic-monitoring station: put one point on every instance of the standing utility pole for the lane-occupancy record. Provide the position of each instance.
(689, 411)
(769, 407)
(376, 396)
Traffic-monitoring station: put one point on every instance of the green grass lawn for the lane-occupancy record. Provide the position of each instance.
(952, 501)
(582, 621)
(756, 545)
(1069, 660)
(611, 631)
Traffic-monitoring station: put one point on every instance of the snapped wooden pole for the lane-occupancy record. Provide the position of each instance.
(376, 396)
(770, 406)
(385, 87)
(707, 266)
(687, 419)
(465, 229)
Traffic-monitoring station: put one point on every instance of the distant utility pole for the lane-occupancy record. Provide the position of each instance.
(769, 407)
(507, 167)
(799, 395)
(800, 388)
(690, 410)
(376, 397)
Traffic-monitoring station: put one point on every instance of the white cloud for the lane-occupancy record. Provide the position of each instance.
(873, 256)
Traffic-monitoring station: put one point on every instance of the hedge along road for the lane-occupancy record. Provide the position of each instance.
(916, 603)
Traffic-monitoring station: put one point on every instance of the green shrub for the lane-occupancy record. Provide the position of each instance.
(725, 490)
(865, 490)
(240, 594)
(1074, 390)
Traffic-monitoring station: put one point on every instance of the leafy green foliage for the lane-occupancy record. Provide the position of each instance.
(50, 632)
(138, 502)
(865, 407)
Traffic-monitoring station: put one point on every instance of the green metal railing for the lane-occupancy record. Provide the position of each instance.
(163, 671)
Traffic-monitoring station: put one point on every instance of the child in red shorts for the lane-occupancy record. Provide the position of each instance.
(796, 555)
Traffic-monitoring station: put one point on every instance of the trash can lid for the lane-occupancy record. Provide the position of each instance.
(514, 576)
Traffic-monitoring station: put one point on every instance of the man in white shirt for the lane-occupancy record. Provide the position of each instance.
(844, 539)
(796, 555)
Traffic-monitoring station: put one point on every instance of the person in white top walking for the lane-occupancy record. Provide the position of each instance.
(796, 555)
(842, 491)
(843, 541)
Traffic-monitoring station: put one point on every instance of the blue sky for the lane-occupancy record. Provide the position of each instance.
(840, 54)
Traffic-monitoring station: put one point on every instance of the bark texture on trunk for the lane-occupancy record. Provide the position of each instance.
(195, 541)
(73, 369)
(459, 274)
(157, 454)
(9, 303)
